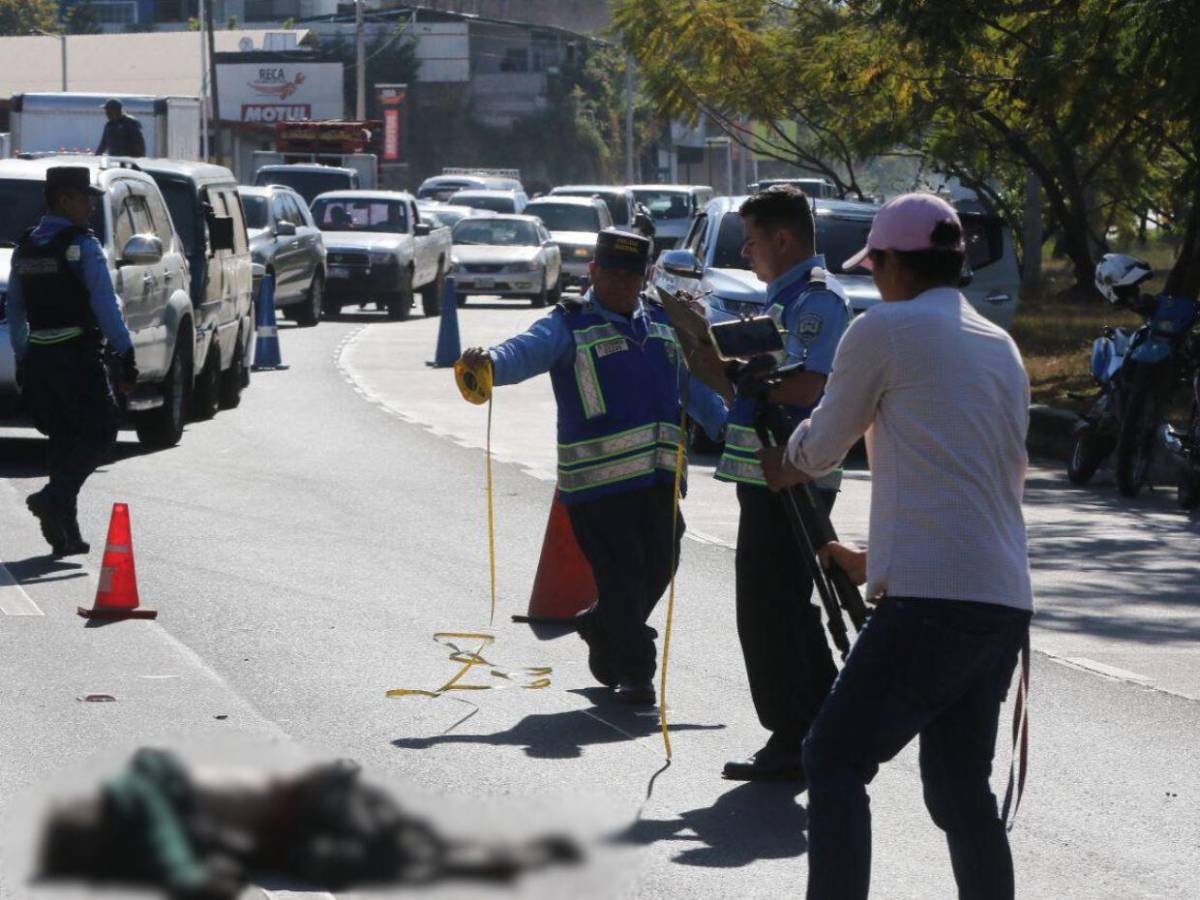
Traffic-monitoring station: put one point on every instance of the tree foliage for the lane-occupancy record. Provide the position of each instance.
(1091, 95)
(20, 17)
(81, 18)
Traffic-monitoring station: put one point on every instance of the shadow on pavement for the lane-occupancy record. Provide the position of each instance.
(25, 457)
(1130, 566)
(752, 822)
(42, 569)
(564, 735)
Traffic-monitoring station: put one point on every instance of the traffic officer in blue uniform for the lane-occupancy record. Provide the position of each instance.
(788, 660)
(619, 382)
(60, 304)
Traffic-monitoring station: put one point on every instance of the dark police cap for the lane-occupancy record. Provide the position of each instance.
(71, 178)
(617, 249)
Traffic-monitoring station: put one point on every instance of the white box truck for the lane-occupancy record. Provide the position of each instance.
(73, 123)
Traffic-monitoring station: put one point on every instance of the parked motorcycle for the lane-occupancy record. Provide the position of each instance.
(1184, 445)
(1138, 375)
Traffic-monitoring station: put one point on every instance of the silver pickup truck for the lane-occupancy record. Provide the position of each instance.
(149, 267)
(379, 249)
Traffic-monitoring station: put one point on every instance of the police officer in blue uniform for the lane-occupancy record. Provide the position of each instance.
(788, 659)
(618, 381)
(60, 304)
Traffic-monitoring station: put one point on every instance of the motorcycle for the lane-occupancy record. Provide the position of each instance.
(1184, 446)
(1155, 366)
(1096, 433)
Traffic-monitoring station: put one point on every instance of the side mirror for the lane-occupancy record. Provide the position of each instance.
(422, 229)
(284, 228)
(220, 233)
(681, 264)
(141, 250)
(968, 275)
(644, 225)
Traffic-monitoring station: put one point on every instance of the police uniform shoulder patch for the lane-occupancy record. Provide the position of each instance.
(808, 326)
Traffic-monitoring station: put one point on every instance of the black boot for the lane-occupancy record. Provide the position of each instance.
(50, 519)
(75, 544)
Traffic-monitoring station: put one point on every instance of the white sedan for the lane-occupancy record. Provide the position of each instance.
(506, 256)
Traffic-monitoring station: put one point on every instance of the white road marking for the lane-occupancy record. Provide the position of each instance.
(273, 895)
(13, 599)
(1090, 665)
(701, 537)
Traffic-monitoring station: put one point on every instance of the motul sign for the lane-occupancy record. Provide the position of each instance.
(270, 113)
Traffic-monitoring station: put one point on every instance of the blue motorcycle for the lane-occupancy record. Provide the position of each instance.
(1155, 368)
(1096, 433)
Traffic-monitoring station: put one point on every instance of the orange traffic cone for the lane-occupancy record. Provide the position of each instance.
(117, 595)
(564, 584)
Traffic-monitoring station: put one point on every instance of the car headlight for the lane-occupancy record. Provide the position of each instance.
(523, 267)
(454, 264)
(736, 307)
(381, 257)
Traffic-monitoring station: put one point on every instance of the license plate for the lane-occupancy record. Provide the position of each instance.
(338, 272)
(484, 283)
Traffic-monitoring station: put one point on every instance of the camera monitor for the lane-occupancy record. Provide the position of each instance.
(746, 338)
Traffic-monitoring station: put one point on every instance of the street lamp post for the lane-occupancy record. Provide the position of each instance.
(62, 40)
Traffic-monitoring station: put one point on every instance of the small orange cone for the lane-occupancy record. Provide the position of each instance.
(117, 595)
(564, 584)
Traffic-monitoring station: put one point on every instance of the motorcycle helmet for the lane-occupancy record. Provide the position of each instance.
(1118, 277)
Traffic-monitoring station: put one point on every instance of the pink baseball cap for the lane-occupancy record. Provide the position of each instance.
(906, 223)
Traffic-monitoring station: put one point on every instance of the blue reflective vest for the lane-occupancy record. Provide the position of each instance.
(739, 462)
(618, 405)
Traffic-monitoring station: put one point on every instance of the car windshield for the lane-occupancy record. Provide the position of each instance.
(837, 240)
(614, 201)
(346, 214)
(495, 204)
(565, 216)
(500, 232)
(307, 184)
(446, 215)
(666, 204)
(442, 189)
(257, 211)
(22, 204)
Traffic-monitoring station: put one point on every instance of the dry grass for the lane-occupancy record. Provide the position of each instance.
(1055, 332)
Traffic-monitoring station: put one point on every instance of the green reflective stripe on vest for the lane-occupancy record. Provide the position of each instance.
(571, 455)
(599, 448)
(595, 334)
(659, 330)
(743, 439)
(623, 469)
(54, 335)
(775, 311)
(732, 468)
(587, 379)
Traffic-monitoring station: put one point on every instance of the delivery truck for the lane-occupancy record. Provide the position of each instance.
(65, 122)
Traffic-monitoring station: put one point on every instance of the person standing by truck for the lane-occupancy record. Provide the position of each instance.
(122, 132)
(60, 302)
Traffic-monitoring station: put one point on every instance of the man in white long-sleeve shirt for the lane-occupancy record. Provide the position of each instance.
(943, 399)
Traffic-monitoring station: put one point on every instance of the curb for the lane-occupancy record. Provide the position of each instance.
(1050, 432)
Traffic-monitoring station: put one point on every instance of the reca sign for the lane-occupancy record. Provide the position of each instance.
(279, 90)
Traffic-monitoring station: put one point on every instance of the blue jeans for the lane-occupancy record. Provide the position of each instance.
(939, 669)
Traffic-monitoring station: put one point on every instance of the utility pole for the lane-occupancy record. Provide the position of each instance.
(743, 158)
(63, 39)
(360, 64)
(630, 178)
(203, 86)
(212, 77)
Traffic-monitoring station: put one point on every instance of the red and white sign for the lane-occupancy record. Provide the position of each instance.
(280, 91)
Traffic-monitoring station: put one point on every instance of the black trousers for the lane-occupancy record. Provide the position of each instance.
(788, 660)
(627, 539)
(66, 389)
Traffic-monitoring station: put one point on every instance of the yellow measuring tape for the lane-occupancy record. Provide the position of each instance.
(475, 384)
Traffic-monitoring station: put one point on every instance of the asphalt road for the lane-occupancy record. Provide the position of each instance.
(303, 549)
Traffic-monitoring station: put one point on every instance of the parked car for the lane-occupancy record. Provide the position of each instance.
(148, 262)
(449, 215)
(379, 249)
(440, 187)
(817, 188)
(285, 240)
(498, 201)
(202, 197)
(622, 205)
(995, 285)
(308, 179)
(671, 207)
(573, 223)
(507, 256)
(715, 240)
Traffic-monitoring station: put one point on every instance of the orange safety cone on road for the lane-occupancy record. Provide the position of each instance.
(564, 584)
(117, 594)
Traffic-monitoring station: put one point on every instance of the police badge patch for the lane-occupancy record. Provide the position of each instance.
(808, 327)
(73, 253)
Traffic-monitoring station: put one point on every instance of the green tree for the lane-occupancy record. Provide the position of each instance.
(81, 18)
(391, 59)
(20, 17)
